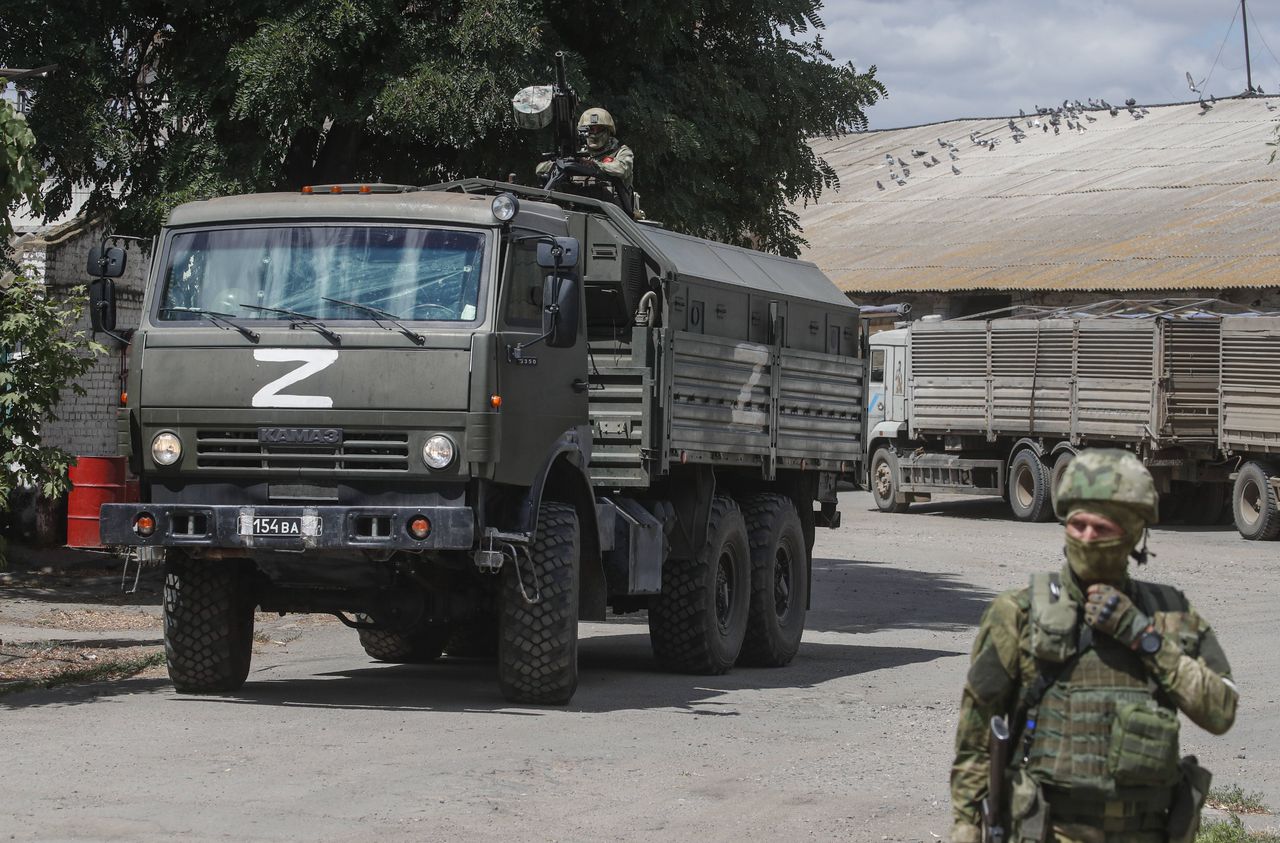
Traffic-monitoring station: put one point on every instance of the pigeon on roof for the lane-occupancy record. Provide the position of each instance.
(1091, 118)
(901, 163)
(906, 172)
(1257, 89)
(918, 153)
(1056, 128)
(1104, 104)
(879, 185)
(1131, 102)
(1271, 106)
(933, 159)
(955, 156)
(1114, 111)
(902, 182)
(942, 143)
(893, 176)
(1013, 126)
(1044, 127)
(1021, 114)
(888, 157)
(1018, 136)
(928, 164)
(955, 169)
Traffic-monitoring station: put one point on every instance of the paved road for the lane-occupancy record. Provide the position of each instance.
(851, 742)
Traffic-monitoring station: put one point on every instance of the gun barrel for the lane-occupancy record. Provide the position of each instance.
(999, 759)
(562, 77)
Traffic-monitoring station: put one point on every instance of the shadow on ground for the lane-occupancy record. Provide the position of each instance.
(617, 672)
(857, 596)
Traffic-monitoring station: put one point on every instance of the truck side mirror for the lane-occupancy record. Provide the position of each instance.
(560, 311)
(106, 262)
(102, 303)
(562, 254)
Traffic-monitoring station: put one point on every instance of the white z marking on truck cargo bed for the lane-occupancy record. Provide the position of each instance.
(312, 359)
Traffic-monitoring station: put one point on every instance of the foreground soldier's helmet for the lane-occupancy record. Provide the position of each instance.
(1107, 474)
(596, 117)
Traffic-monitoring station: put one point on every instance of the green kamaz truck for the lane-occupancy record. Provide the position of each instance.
(462, 418)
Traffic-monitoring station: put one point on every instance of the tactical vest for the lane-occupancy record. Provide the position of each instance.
(1101, 727)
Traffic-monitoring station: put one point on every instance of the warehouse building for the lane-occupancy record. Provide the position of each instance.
(1066, 206)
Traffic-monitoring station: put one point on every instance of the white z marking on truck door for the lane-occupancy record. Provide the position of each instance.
(312, 359)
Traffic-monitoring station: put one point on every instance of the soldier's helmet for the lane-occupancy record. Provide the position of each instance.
(596, 117)
(1107, 474)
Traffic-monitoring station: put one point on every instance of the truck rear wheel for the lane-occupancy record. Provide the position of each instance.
(419, 645)
(1253, 500)
(779, 581)
(1029, 495)
(538, 640)
(1060, 464)
(208, 625)
(698, 623)
(885, 480)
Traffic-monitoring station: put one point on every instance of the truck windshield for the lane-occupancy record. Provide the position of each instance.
(428, 274)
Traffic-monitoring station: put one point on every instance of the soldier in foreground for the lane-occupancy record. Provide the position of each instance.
(1068, 724)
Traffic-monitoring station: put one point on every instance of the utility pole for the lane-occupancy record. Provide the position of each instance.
(1248, 69)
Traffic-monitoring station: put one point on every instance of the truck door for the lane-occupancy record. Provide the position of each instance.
(544, 391)
(876, 385)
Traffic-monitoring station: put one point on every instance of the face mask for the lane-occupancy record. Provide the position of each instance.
(1099, 560)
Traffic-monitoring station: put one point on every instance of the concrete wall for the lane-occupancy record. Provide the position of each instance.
(86, 424)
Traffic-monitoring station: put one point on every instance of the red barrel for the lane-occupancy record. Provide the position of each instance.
(94, 481)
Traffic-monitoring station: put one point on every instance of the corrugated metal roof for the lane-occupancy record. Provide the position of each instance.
(1177, 199)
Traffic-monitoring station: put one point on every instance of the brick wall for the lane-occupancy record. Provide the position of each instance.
(86, 424)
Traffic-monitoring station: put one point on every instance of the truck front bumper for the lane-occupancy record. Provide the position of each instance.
(298, 527)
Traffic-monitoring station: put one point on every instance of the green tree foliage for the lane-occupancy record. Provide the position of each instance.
(19, 173)
(174, 99)
(43, 354)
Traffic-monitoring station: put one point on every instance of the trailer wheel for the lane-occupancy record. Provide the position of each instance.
(422, 644)
(779, 581)
(1055, 474)
(698, 623)
(538, 640)
(1254, 503)
(885, 479)
(208, 625)
(1029, 496)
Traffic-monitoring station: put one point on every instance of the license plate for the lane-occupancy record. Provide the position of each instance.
(269, 525)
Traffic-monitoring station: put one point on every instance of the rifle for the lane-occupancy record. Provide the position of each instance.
(993, 827)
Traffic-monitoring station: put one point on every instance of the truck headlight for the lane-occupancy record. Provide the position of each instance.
(166, 448)
(438, 451)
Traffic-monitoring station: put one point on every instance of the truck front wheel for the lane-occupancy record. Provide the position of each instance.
(538, 626)
(698, 623)
(1029, 496)
(208, 625)
(779, 581)
(1254, 503)
(885, 479)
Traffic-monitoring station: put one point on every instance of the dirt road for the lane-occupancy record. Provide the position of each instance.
(852, 742)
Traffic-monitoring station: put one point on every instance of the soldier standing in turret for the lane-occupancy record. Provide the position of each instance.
(605, 158)
(1091, 669)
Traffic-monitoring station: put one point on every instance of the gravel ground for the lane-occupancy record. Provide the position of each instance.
(851, 742)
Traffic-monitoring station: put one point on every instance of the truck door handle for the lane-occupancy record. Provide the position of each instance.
(580, 385)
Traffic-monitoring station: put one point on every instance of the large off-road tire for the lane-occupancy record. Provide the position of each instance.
(473, 639)
(885, 480)
(419, 645)
(1060, 464)
(698, 623)
(1029, 495)
(208, 624)
(1254, 503)
(538, 642)
(779, 581)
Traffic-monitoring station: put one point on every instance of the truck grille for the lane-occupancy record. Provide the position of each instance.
(362, 451)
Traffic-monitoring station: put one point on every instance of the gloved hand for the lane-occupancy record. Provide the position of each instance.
(962, 832)
(1108, 609)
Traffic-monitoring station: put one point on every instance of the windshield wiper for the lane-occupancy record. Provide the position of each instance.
(376, 312)
(298, 320)
(215, 317)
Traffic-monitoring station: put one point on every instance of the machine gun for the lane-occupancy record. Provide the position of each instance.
(539, 106)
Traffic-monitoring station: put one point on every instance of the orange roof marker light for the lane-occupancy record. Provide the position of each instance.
(307, 190)
(337, 188)
(495, 401)
(364, 188)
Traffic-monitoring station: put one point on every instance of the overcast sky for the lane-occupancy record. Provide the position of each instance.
(945, 59)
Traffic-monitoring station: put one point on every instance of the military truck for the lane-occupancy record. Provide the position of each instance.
(463, 418)
(1250, 421)
(999, 404)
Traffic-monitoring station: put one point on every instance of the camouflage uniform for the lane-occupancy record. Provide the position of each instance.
(614, 158)
(1095, 688)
